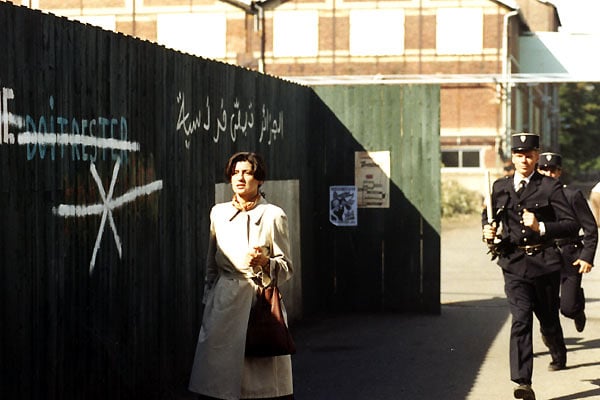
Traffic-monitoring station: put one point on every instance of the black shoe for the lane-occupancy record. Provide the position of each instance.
(524, 392)
(580, 321)
(557, 365)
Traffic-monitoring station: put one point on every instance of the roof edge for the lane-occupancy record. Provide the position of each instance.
(512, 4)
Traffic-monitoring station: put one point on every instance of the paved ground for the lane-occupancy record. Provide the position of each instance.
(460, 354)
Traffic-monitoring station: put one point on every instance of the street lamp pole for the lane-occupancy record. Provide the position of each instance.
(257, 10)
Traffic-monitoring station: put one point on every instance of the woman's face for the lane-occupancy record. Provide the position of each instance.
(242, 181)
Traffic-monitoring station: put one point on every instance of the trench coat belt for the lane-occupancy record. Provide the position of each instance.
(534, 249)
(236, 275)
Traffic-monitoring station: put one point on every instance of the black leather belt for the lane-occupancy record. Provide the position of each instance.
(534, 249)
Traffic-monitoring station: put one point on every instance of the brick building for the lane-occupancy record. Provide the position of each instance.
(470, 47)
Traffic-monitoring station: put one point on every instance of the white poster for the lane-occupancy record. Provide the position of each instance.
(343, 206)
(371, 175)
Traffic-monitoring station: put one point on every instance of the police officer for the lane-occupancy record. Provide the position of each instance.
(529, 211)
(577, 251)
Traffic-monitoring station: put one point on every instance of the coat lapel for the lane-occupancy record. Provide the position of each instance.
(257, 212)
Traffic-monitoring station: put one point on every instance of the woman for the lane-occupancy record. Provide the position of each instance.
(248, 247)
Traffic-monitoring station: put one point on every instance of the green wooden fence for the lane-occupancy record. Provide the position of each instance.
(110, 152)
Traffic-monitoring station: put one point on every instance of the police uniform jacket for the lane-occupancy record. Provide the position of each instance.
(574, 247)
(545, 198)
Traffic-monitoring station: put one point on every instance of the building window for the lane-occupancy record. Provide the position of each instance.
(205, 34)
(459, 31)
(376, 32)
(461, 158)
(295, 33)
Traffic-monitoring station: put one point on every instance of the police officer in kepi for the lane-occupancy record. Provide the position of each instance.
(528, 213)
(578, 251)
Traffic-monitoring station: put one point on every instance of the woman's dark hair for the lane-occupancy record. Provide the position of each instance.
(259, 170)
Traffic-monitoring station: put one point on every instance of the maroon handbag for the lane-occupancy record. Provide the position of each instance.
(267, 334)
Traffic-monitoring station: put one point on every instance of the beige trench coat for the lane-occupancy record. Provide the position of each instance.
(220, 368)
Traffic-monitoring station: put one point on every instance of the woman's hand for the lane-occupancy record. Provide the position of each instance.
(258, 260)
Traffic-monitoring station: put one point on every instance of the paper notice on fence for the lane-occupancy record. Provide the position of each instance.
(372, 172)
(343, 205)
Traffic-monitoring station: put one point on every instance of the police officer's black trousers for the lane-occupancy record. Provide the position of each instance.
(527, 296)
(572, 300)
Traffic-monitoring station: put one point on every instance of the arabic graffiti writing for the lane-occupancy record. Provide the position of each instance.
(237, 120)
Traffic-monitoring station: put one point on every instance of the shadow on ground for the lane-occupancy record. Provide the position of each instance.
(396, 356)
(588, 394)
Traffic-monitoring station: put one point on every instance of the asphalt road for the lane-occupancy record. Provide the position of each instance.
(460, 354)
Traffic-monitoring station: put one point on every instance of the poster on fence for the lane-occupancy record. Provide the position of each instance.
(343, 206)
(372, 172)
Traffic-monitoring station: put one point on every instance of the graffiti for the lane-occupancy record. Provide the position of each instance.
(89, 139)
(221, 123)
(6, 118)
(47, 133)
(106, 207)
(188, 125)
(272, 127)
(80, 134)
(238, 120)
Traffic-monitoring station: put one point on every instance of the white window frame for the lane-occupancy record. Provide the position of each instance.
(460, 151)
(296, 33)
(377, 32)
(459, 31)
(205, 34)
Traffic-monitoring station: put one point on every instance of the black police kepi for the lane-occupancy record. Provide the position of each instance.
(550, 161)
(525, 142)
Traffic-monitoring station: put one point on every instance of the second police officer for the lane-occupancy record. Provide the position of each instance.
(578, 251)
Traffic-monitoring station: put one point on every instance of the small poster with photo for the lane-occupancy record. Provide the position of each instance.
(343, 206)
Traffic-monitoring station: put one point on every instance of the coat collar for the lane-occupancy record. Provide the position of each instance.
(255, 214)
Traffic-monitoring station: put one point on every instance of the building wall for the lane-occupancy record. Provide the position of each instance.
(540, 16)
(480, 114)
(140, 18)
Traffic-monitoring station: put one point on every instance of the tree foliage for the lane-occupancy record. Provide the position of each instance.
(580, 128)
